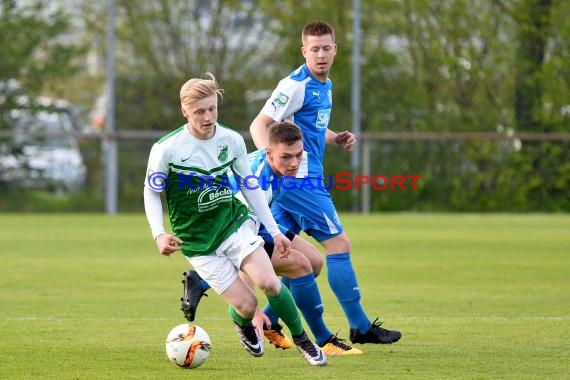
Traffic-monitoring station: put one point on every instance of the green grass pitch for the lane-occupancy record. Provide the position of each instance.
(87, 296)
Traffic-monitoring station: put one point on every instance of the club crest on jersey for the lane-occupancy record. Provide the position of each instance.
(223, 152)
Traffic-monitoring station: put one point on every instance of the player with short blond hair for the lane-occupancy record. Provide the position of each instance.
(210, 226)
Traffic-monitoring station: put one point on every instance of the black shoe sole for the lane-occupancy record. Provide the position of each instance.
(188, 307)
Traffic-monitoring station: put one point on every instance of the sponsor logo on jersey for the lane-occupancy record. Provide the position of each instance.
(280, 100)
(210, 199)
(323, 117)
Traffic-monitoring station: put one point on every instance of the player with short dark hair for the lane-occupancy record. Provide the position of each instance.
(282, 157)
(305, 97)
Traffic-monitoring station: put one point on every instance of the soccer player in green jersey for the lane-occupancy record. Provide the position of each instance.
(210, 226)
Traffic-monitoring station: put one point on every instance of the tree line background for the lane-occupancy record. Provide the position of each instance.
(427, 66)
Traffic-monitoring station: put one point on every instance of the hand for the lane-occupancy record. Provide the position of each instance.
(260, 319)
(167, 244)
(346, 140)
(282, 244)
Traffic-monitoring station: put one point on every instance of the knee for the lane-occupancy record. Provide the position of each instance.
(344, 243)
(317, 265)
(246, 306)
(315, 260)
(338, 244)
(293, 266)
(269, 285)
(298, 265)
(314, 257)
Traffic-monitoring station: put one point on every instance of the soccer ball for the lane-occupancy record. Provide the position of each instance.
(188, 345)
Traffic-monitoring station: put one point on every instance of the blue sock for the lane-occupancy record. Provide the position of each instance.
(308, 299)
(342, 281)
(274, 318)
(204, 285)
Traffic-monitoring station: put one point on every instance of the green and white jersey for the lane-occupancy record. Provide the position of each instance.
(202, 210)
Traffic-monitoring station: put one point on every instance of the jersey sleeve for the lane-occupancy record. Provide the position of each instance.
(286, 99)
(153, 211)
(156, 173)
(251, 190)
(241, 164)
(157, 169)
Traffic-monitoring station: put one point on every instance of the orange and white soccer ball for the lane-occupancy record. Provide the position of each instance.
(188, 345)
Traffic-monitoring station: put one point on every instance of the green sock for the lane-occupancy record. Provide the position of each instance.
(238, 318)
(284, 306)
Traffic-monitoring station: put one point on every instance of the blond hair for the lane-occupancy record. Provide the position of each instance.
(196, 89)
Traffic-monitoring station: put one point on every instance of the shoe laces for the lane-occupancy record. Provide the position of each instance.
(274, 334)
(377, 330)
(377, 323)
(249, 333)
(308, 347)
(339, 342)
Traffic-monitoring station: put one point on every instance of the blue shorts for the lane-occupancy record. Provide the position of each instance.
(304, 204)
(268, 239)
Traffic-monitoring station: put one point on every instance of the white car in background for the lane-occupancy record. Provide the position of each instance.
(41, 150)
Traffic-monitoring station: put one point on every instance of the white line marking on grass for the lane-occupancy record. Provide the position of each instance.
(465, 318)
(471, 318)
(493, 319)
(26, 318)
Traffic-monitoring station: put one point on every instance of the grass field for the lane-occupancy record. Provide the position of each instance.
(476, 296)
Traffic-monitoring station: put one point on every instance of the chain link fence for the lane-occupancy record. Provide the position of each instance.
(476, 172)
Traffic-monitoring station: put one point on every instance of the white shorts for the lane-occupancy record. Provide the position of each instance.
(221, 267)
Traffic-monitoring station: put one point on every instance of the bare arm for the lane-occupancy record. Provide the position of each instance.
(329, 138)
(258, 130)
(346, 140)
